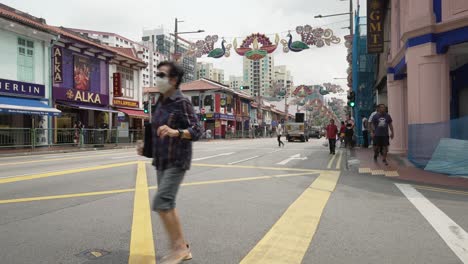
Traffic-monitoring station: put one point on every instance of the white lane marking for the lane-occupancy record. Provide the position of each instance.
(124, 157)
(293, 157)
(214, 156)
(455, 237)
(274, 151)
(239, 161)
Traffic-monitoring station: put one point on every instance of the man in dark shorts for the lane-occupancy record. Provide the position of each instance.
(380, 124)
(174, 127)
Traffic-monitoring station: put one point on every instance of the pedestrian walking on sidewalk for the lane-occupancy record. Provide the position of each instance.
(342, 134)
(349, 132)
(174, 127)
(370, 121)
(279, 133)
(380, 124)
(365, 132)
(332, 132)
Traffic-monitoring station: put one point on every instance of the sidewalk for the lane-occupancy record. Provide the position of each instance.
(399, 168)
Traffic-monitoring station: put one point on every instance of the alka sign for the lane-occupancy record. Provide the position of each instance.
(80, 96)
(58, 65)
(375, 34)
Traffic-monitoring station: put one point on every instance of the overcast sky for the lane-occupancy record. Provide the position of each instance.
(227, 19)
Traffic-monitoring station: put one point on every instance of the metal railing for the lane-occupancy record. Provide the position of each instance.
(14, 138)
(30, 138)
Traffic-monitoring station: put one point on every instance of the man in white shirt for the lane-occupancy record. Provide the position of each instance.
(370, 121)
(365, 132)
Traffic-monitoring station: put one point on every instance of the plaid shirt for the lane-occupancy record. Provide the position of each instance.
(177, 113)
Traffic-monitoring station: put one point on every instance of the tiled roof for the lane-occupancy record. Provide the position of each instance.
(201, 85)
(130, 52)
(76, 36)
(40, 24)
(23, 18)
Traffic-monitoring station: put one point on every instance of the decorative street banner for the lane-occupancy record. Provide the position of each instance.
(21, 89)
(58, 65)
(256, 46)
(375, 34)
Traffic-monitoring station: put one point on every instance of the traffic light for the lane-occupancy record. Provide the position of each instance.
(352, 99)
(244, 87)
(145, 107)
(203, 117)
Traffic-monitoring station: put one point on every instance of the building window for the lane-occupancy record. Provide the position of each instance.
(105, 36)
(25, 60)
(126, 77)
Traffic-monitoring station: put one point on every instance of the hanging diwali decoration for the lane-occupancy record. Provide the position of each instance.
(206, 46)
(310, 36)
(256, 46)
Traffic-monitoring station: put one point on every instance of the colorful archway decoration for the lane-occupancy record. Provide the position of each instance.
(310, 36)
(206, 46)
(256, 46)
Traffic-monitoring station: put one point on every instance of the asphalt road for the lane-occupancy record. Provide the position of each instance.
(243, 201)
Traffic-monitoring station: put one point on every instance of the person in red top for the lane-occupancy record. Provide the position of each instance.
(332, 132)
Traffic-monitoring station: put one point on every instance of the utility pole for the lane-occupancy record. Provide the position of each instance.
(174, 58)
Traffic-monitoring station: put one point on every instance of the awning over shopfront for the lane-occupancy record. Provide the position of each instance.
(87, 107)
(133, 113)
(24, 106)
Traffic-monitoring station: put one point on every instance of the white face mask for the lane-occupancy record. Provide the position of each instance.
(163, 84)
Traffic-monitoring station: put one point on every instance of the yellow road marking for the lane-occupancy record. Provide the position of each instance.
(331, 162)
(338, 164)
(252, 167)
(63, 172)
(434, 189)
(63, 196)
(142, 242)
(290, 237)
(58, 159)
(246, 179)
(74, 195)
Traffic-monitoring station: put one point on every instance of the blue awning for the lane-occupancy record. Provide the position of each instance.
(13, 105)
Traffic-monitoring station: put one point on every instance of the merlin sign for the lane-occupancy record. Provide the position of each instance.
(21, 89)
(375, 34)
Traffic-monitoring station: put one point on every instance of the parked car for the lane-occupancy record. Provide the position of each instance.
(315, 132)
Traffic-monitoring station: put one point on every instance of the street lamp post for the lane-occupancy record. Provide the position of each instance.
(350, 13)
(176, 36)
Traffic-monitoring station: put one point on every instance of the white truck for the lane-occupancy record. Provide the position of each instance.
(297, 130)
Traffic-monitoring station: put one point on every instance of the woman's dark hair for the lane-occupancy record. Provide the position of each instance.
(342, 122)
(174, 71)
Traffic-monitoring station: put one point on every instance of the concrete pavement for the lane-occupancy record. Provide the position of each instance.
(243, 201)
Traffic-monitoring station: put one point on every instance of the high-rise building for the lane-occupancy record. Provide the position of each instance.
(259, 75)
(235, 82)
(283, 78)
(164, 44)
(144, 50)
(206, 70)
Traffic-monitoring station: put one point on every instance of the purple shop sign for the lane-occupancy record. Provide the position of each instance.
(21, 89)
(77, 96)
